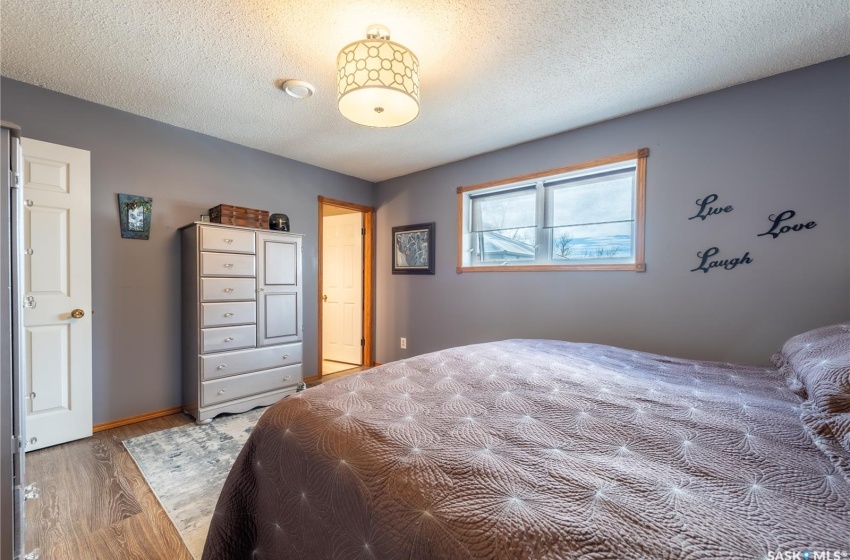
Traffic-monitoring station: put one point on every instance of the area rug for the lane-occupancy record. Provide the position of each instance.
(186, 468)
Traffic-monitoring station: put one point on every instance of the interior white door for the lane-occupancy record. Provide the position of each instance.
(342, 282)
(57, 281)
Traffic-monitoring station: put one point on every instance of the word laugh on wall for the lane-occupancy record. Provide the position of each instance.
(726, 264)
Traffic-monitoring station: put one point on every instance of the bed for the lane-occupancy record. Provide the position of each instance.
(548, 449)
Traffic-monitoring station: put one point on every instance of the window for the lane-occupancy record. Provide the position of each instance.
(582, 217)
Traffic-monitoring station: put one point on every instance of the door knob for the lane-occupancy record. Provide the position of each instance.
(78, 314)
(325, 297)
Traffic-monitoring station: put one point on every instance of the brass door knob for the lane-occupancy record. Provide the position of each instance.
(325, 297)
(78, 314)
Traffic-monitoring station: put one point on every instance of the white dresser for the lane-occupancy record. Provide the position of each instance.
(242, 318)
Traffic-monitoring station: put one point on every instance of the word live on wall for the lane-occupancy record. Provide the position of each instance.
(777, 228)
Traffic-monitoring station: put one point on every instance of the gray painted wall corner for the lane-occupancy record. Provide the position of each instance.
(767, 146)
(136, 284)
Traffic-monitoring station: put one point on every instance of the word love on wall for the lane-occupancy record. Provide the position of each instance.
(707, 263)
(706, 209)
(777, 228)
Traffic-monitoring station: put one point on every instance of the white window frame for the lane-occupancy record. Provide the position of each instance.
(544, 237)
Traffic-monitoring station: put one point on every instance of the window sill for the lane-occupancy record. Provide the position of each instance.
(634, 267)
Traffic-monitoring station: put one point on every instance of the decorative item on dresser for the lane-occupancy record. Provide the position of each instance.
(279, 222)
(242, 318)
(239, 216)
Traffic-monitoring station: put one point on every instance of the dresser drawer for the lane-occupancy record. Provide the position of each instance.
(236, 387)
(227, 264)
(228, 338)
(228, 289)
(224, 314)
(224, 364)
(228, 240)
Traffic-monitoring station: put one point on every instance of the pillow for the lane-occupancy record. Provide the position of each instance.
(816, 365)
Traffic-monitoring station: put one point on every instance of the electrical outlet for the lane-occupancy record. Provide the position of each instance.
(403, 342)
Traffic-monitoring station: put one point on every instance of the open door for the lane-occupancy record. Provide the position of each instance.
(345, 285)
(57, 293)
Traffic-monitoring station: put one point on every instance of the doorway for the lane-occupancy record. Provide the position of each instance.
(345, 286)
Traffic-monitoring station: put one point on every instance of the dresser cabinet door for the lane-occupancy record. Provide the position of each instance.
(279, 302)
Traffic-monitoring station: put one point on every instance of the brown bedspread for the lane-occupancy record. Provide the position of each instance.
(535, 449)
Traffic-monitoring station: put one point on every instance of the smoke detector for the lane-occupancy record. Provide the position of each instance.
(297, 88)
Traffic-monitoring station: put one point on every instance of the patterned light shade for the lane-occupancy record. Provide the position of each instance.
(378, 81)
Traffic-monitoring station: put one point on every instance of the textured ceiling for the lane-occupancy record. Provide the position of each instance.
(493, 72)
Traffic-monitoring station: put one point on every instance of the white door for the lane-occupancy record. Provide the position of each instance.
(342, 282)
(57, 281)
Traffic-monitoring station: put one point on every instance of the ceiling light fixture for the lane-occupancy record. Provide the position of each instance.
(298, 88)
(378, 81)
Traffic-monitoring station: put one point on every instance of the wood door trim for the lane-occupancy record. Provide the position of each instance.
(348, 205)
(135, 419)
(368, 274)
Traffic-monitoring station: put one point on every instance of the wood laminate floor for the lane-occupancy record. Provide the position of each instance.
(96, 505)
(94, 502)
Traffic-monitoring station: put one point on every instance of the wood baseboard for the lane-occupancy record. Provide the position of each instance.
(135, 419)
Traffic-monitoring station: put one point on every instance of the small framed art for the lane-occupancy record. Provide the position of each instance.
(413, 249)
(134, 212)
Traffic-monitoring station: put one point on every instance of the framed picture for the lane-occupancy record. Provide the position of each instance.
(134, 212)
(413, 249)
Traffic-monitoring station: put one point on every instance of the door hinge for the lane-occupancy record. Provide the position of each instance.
(362, 231)
(362, 342)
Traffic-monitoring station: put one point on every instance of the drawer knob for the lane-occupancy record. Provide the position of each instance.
(228, 265)
(285, 356)
(228, 314)
(229, 339)
(287, 378)
(222, 392)
(228, 241)
(222, 366)
(228, 290)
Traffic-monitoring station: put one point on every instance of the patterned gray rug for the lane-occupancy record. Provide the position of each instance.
(186, 468)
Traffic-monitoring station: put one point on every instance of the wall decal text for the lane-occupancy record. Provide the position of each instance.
(727, 264)
(776, 229)
(705, 210)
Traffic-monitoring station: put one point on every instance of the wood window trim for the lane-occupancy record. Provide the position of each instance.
(368, 277)
(640, 216)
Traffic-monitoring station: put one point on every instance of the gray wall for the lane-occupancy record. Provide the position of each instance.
(764, 147)
(136, 284)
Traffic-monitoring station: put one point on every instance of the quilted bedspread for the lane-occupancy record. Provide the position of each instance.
(536, 449)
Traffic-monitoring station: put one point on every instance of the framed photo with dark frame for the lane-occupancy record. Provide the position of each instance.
(413, 249)
(134, 213)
